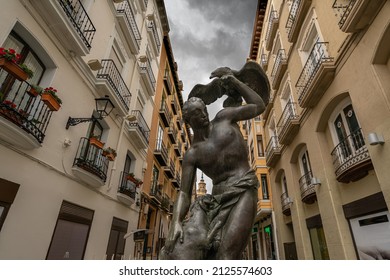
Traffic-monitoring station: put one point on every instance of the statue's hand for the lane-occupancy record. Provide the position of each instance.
(175, 232)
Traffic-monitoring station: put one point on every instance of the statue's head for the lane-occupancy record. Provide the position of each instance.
(195, 112)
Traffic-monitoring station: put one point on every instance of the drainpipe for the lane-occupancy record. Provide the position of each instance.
(275, 237)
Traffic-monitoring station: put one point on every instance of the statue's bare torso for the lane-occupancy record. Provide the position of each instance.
(223, 154)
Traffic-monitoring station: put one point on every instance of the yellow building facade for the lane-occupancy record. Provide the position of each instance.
(327, 126)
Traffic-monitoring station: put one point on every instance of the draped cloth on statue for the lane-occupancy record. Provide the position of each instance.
(207, 216)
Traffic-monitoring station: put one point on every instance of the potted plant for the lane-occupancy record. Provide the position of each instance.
(9, 62)
(131, 177)
(35, 90)
(94, 141)
(50, 98)
(109, 153)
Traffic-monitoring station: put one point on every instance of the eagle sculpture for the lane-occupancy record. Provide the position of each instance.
(251, 74)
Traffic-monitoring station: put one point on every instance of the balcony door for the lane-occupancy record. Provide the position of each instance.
(9, 86)
(348, 131)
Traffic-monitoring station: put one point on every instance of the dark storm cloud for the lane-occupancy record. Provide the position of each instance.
(207, 34)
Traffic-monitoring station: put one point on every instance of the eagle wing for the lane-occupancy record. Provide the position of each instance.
(208, 93)
(251, 74)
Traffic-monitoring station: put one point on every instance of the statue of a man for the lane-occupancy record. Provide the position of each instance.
(218, 225)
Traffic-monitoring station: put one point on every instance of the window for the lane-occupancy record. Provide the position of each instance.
(155, 178)
(116, 241)
(71, 233)
(159, 139)
(348, 131)
(318, 243)
(252, 152)
(8, 191)
(304, 164)
(4, 207)
(260, 148)
(317, 238)
(264, 186)
(8, 85)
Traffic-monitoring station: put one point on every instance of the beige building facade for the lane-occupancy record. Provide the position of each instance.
(61, 196)
(327, 126)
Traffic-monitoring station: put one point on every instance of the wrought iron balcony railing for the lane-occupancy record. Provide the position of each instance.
(264, 61)
(317, 57)
(126, 186)
(161, 152)
(156, 192)
(272, 151)
(126, 9)
(286, 204)
(279, 68)
(165, 113)
(19, 106)
(146, 68)
(111, 74)
(288, 124)
(351, 159)
(295, 18)
(140, 124)
(308, 193)
(153, 29)
(90, 158)
(79, 18)
(167, 81)
(271, 28)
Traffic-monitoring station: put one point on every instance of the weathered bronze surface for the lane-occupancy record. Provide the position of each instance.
(218, 226)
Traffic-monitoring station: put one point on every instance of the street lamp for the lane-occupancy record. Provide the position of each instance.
(104, 106)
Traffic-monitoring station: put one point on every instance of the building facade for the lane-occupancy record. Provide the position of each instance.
(327, 126)
(61, 196)
(169, 139)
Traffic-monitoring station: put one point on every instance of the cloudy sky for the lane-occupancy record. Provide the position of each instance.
(207, 34)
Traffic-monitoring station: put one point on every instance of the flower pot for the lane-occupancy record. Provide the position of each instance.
(32, 92)
(13, 69)
(110, 157)
(95, 142)
(50, 102)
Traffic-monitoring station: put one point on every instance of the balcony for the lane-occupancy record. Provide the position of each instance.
(111, 83)
(176, 181)
(179, 122)
(177, 147)
(286, 204)
(139, 130)
(351, 159)
(154, 39)
(128, 24)
(316, 76)
(165, 202)
(24, 118)
(70, 23)
(308, 192)
(174, 106)
(143, 4)
(156, 193)
(172, 134)
(279, 69)
(269, 106)
(272, 152)
(127, 190)
(355, 15)
(272, 26)
(148, 76)
(89, 164)
(165, 114)
(167, 82)
(288, 124)
(298, 11)
(161, 153)
(169, 170)
(264, 62)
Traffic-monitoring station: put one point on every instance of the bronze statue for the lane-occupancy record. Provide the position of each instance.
(218, 225)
